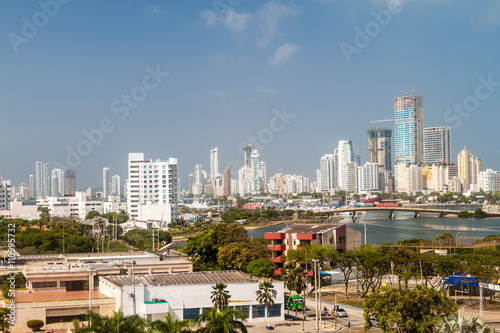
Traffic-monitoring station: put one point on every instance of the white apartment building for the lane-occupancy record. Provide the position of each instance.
(489, 181)
(76, 207)
(368, 177)
(152, 183)
(327, 173)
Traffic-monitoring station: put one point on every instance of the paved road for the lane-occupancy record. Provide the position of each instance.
(290, 324)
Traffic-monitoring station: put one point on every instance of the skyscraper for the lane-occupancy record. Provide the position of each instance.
(105, 182)
(409, 119)
(379, 148)
(39, 181)
(437, 144)
(368, 177)
(463, 166)
(327, 173)
(46, 179)
(214, 163)
(227, 181)
(247, 151)
(469, 167)
(115, 185)
(58, 181)
(345, 156)
(70, 182)
(32, 187)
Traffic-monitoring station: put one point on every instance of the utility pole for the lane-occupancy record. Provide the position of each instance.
(365, 231)
(133, 285)
(315, 293)
(90, 296)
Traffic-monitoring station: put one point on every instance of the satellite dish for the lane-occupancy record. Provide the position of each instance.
(166, 247)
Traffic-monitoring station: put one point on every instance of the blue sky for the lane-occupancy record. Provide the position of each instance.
(232, 66)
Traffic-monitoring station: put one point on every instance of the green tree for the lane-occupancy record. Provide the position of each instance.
(347, 265)
(266, 295)
(237, 255)
(459, 323)
(293, 277)
(4, 319)
(118, 323)
(220, 296)
(171, 325)
(373, 265)
(407, 310)
(35, 324)
(446, 235)
(229, 320)
(90, 215)
(261, 268)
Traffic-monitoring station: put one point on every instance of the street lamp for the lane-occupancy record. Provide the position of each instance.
(315, 291)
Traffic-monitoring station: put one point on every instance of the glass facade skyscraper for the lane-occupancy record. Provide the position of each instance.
(409, 137)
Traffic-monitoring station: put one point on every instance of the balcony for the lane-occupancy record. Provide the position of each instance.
(277, 259)
(277, 247)
(306, 236)
(274, 235)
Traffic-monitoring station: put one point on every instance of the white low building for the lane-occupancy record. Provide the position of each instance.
(186, 295)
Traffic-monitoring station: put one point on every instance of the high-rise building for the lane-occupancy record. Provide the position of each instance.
(46, 179)
(257, 173)
(247, 152)
(227, 181)
(105, 182)
(39, 181)
(214, 163)
(32, 187)
(379, 148)
(469, 167)
(327, 173)
(151, 183)
(409, 137)
(115, 185)
(70, 182)
(489, 181)
(5, 192)
(437, 144)
(368, 177)
(58, 181)
(345, 155)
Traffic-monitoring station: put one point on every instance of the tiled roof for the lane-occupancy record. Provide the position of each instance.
(56, 296)
(211, 277)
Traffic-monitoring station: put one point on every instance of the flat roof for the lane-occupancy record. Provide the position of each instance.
(209, 277)
(49, 296)
(309, 228)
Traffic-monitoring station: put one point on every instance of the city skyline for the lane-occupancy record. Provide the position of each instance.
(232, 76)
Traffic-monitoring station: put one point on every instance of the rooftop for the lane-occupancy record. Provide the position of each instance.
(56, 296)
(210, 277)
(309, 228)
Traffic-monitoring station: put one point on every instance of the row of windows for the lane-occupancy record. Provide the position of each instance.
(51, 284)
(258, 311)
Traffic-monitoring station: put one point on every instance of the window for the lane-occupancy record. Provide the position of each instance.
(245, 309)
(258, 311)
(275, 310)
(190, 313)
(205, 310)
(52, 284)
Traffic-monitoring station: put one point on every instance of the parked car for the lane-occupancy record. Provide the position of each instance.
(341, 313)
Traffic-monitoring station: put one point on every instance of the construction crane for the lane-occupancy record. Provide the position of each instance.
(410, 92)
(379, 121)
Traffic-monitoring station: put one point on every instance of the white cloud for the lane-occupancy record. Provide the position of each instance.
(265, 90)
(209, 16)
(269, 15)
(229, 18)
(220, 94)
(283, 53)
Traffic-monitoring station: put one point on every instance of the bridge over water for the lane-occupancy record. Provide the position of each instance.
(391, 210)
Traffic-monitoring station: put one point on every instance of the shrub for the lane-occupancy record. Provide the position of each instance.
(35, 324)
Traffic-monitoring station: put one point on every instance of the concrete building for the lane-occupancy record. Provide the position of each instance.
(27, 210)
(409, 134)
(105, 182)
(408, 177)
(296, 236)
(344, 154)
(350, 177)
(489, 181)
(32, 187)
(327, 173)
(70, 182)
(437, 177)
(214, 163)
(46, 179)
(368, 177)
(115, 185)
(469, 167)
(5, 194)
(437, 145)
(152, 183)
(39, 182)
(227, 182)
(186, 295)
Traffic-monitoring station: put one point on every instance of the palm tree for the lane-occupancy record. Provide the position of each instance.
(118, 323)
(266, 295)
(457, 322)
(294, 280)
(220, 296)
(171, 325)
(229, 320)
